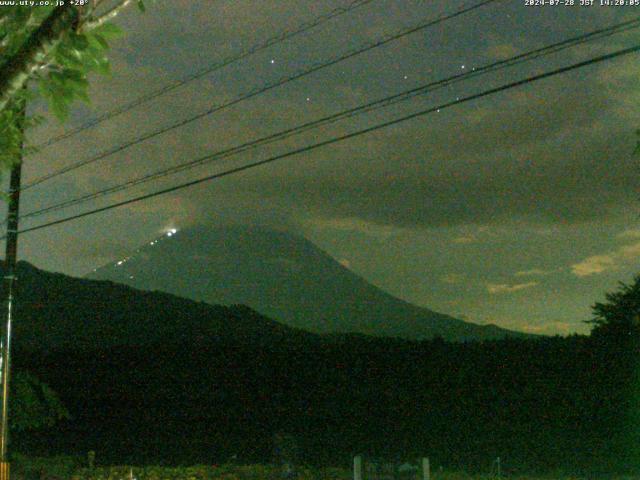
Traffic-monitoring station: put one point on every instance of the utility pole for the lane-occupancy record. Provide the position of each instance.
(9, 281)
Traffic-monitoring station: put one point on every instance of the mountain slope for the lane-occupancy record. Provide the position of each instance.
(56, 311)
(284, 277)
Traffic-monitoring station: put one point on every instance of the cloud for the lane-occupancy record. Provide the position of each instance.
(550, 328)
(539, 155)
(496, 288)
(500, 170)
(422, 174)
(355, 225)
(465, 239)
(452, 278)
(594, 264)
(532, 272)
(633, 233)
(629, 252)
(538, 326)
(502, 51)
(606, 262)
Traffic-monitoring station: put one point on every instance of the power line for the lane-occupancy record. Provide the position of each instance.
(269, 86)
(281, 37)
(374, 105)
(315, 146)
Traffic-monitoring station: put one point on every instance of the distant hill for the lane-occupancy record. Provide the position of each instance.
(285, 277)
(56, 311)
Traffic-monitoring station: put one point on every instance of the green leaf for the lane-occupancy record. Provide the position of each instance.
(44, 87)
(64, 57)
(101, 41)
(141, 6)
(109, 31)
(103, 66)
(73, 74)
(79, 41)
(59, 108)
(83, 95)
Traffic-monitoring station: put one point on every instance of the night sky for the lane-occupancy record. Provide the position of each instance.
(519, 209)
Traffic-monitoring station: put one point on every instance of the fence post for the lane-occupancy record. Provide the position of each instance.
(426, 469)
(357, 467)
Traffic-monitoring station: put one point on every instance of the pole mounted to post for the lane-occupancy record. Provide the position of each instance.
(426, 469)
(9, 283)
(357, 467)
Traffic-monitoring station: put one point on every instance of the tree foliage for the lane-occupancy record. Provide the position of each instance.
(33, 404)
(620, 314)
(54, 49)
(74, 59)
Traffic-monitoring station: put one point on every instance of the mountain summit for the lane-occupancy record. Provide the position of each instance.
(283, 276)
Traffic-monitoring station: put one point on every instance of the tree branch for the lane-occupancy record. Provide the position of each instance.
(108, 15)
(34, 53)
(17, 69)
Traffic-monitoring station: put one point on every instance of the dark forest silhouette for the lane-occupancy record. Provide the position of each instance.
(205, 383)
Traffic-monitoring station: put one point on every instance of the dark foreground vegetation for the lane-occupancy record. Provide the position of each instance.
(542, 405)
